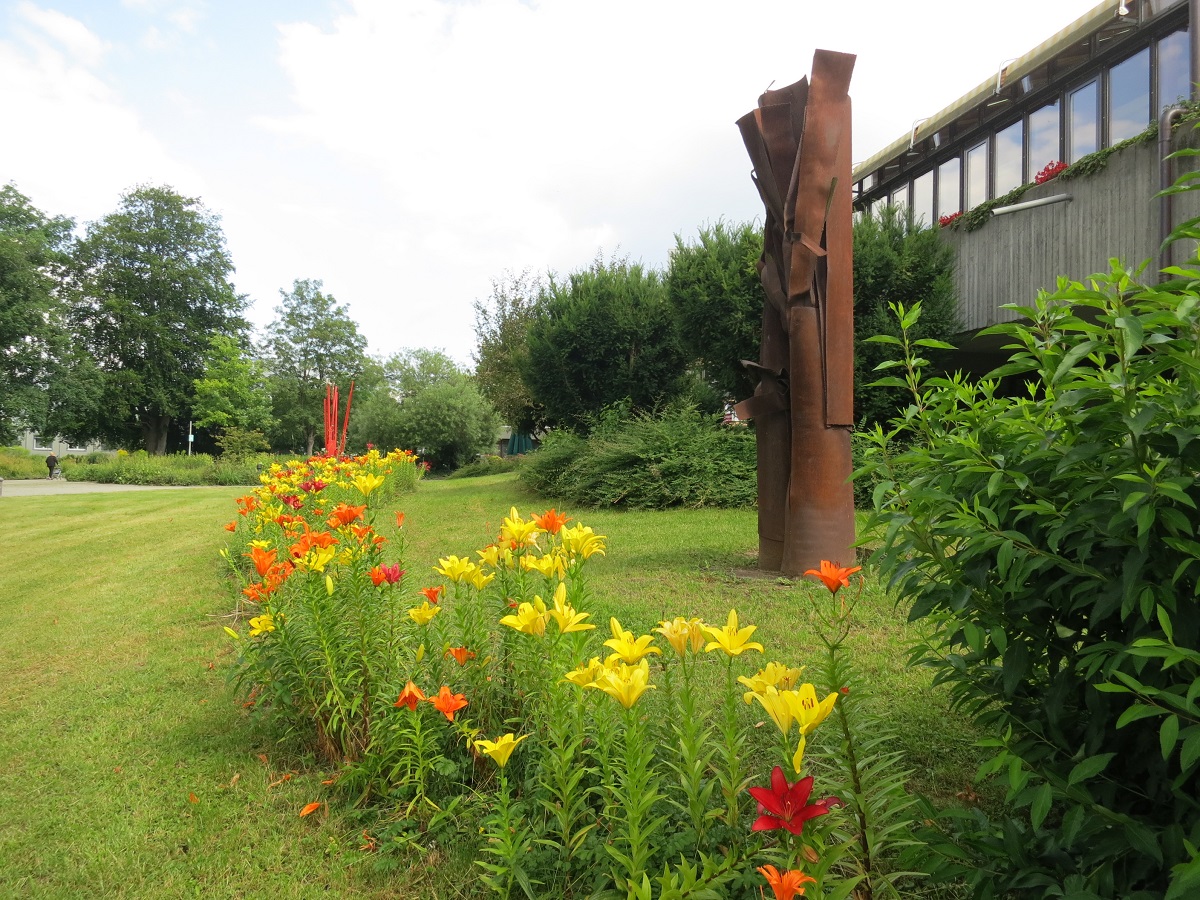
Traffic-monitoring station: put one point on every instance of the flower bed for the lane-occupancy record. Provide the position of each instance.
(612, 761)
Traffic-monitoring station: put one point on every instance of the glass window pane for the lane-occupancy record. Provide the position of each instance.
(977, 176)
(900, 198)
(1009, 145)
(1129, 97)
(1043, 138)
(949, 201)
(1083, 131)
(922, 199)
(1173, 69)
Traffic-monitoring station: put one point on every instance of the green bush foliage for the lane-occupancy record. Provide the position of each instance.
(679, 457)
(1049, 539)
(487, 465)
(177, 470)
(17, 462)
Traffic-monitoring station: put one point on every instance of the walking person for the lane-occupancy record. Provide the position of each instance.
(51, 464)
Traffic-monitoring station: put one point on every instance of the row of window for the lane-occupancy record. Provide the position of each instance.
(1112, 105)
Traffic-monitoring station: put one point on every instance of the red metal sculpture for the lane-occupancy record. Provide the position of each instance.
(803, 408)
(334, 447)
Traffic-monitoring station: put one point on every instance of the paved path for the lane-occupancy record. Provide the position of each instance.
(36, 487)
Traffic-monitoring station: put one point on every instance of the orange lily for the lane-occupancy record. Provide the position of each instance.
(834, 576)
(399, 520)
(309, 809)
(410, 696)
(461, 654)
(786, 885)
(262, 559)
(343, 514)
(432, 593)
(551, 521)
(446, 703)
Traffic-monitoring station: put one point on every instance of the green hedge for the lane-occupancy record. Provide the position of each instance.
(679, 457)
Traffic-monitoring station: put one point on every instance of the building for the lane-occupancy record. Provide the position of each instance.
(1104, 95)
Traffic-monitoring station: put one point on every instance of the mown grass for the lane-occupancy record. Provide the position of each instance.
(117, 714)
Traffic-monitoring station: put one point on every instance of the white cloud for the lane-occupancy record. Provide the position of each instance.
(81, 146)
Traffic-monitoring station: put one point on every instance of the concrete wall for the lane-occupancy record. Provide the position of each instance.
(1113, 213)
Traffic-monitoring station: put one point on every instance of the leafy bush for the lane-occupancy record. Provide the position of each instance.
(17, 462)
(677, 458)
(487, 465)
(1050, 540)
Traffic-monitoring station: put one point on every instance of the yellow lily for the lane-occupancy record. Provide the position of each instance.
(367, 483)
(627, 648)
(625, 683)
(581, 541)
(774, 675)
(565, 614)
(586, 674)
(455, 569)
(730, 638)
(682, 634)
(798, 756)
(261, 545)
(777, 706)
(479, 580)
(810, 712)
(424, 613)
(262, 624)
(530, 618)
(501, 748)
(316, 559)
(517, 530)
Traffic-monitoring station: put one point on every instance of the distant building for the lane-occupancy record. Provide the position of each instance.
(1097, 83)
(42, 445)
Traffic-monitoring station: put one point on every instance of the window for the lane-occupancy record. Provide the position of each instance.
(1129, 97)
(1044, 145)
(1007, 160)
(1173, 69)
(949, 187)
(900, 197)
(1083, 125)
(976, 181)
(42, 442)
(922, 200)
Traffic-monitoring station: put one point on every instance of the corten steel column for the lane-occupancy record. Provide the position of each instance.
(799, 142)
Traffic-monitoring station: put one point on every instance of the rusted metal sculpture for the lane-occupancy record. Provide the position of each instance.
(803, 408)
(334, 447)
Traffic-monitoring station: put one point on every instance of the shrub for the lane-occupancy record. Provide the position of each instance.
(487, 465)
(676, 458)
(1049, 538)
(17, 462)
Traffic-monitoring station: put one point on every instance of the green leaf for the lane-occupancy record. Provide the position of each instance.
(1040, 806)
(934, 344)
(1167, 735)
(1191, 748)
(1164, 621)
(1137, 711)
(1090, 767)
(1144, 840)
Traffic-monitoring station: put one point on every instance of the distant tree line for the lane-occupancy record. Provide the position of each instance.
(130, 330)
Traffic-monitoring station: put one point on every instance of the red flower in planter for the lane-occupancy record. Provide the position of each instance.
(1051, 171)
(784, 805)
(949, 218)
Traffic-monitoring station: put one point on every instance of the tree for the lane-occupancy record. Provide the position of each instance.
(607, 334)
(232, 396)
(896, 261)
(312, 342)
(34, 345)
(715, 291)
(430, 405)
(501, 328)
(151, 285)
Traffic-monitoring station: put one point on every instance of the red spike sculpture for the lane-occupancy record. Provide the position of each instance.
(803, 408)
(334, 447)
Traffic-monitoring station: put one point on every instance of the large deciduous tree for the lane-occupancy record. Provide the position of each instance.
(604, 335)
(501, 328)
(312, 342)
(717, 295)
(37, 363)
(429, 405)
(151, 287)
(232, 398)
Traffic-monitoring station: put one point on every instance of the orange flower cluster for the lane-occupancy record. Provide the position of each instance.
(443, 701)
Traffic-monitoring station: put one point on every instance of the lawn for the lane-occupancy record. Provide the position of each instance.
(130, 769)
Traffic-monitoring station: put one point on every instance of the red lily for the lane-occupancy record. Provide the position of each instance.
(833, 575)
(784, 805)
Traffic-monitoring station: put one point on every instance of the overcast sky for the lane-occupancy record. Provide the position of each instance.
(409, 152)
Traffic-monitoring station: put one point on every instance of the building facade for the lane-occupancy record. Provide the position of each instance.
(1090, 95)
